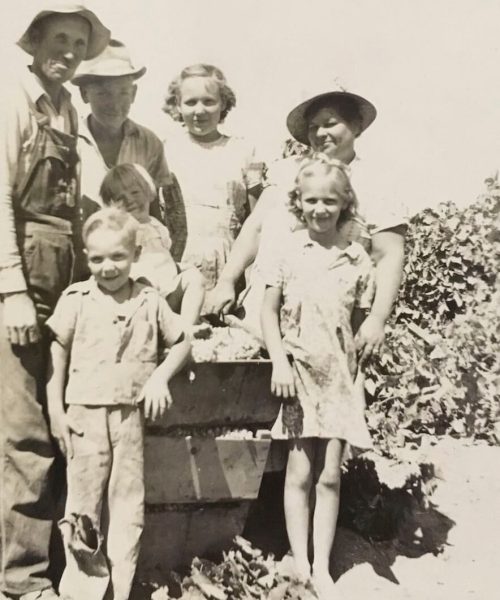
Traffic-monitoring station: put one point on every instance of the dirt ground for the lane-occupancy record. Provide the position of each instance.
(450, 550)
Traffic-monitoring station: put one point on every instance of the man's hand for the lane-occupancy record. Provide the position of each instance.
(156, 395)
(61, 427)
(282, 380)
(221, 298)
(19, 316)
(370, 337)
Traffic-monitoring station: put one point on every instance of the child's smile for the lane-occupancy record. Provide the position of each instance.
(321, 205)
(110, 259)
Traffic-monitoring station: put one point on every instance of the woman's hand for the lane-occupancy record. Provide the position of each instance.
(221, 298)
(156, 395)
(20, 320)
(370, 337)
(61, 427)
(283, 380)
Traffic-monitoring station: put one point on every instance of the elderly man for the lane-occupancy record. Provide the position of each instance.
(107, 137)
(38, 208)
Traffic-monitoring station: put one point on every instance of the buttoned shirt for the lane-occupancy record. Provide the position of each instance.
(140, 145)
(113, 347)
(18, 129)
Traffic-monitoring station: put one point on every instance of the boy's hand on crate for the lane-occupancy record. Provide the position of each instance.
(156, 395)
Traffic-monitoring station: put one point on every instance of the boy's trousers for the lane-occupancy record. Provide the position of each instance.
(106, 483)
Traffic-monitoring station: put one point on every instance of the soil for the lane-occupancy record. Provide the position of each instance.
(447, 550)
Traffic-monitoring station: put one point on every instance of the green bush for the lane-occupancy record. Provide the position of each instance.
(439, 372)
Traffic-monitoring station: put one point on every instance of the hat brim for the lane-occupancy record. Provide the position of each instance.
(297, 123)
(99, 34)
(86, 78)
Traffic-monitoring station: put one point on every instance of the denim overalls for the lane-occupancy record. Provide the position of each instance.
(44, 201)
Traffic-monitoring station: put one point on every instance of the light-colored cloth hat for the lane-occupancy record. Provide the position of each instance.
(99, 35)
(114, 61)
(297, 122)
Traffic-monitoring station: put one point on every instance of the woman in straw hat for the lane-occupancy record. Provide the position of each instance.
(38, 184)
(329, 123)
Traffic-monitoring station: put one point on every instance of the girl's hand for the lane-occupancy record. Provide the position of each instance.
(370, 337)
(156, 396)
(282, 380)
(61, 427)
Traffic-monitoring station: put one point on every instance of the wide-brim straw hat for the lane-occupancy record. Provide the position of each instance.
(298, 124)
(99, 35)
(114, 61)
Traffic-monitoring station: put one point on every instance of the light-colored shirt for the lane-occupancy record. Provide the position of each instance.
(113, 348)
(155, 263)
(18, 129)
(140, 145)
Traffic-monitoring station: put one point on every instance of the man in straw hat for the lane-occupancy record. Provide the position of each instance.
(38, 188)
(329, 123)
(107, 137)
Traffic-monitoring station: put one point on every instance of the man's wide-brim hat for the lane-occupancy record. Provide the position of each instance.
(99, 35)
(114, 61)
(298, 118)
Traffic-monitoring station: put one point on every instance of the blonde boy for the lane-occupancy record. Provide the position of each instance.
(108, 333)
(130, 187)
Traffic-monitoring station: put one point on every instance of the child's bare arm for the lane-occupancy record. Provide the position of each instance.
(61, 425)
(282, 382)
(156, 394)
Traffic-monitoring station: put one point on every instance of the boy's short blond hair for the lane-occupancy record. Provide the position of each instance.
(112, 219)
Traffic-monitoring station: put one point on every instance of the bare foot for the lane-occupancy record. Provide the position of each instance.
(325, 586)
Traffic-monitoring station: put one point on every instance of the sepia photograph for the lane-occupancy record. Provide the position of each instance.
(249, 300)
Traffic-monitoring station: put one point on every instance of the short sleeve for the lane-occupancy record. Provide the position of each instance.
(169, 323)
(270, 263)
(365, 288)
(62, 323)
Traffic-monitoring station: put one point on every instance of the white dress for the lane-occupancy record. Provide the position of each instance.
(215, 180)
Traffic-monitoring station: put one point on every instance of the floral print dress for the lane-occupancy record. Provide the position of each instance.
(320, 287)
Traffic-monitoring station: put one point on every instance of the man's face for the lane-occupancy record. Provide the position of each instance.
(59, 46)
(328, 132)
(110, 99)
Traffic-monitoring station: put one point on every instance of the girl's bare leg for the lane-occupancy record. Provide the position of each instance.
(327, 462)
(298, 482)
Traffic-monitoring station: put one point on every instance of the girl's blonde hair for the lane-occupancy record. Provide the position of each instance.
(228, 98)
(320, 164)
(122, 177)
(112, 219)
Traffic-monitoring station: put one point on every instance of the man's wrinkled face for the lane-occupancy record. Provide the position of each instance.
(59, 46)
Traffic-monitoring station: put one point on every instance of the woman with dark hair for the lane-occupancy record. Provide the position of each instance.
(328, 123)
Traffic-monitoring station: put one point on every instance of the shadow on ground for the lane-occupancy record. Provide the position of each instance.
(414, 529)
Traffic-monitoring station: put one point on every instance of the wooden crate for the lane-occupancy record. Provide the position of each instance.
(221, 394)
(191, 469)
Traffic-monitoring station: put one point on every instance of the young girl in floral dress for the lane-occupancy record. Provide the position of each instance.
(317, 287)
(218, 174)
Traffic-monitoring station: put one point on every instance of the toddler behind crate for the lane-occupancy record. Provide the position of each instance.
(130, 187)
(106, 371)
